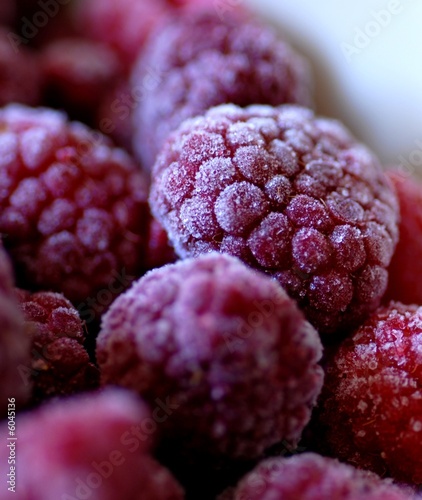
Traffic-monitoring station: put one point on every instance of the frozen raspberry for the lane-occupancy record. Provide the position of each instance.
(199, 62)
(20, 73)
(159, 251)
(225, 346)
(60, 364)
(78, 74)
(405, 271)
(73, 208)
(290, 194)
(92, 446)
(371, 407)
(14, 343)
(123, 25)
(313, 477)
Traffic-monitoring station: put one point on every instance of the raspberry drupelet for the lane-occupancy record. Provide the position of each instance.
(199, 61)
(60, 364)
(370, 410)
(405, 271)
(73, 208)
(225, 345)
(88, 446)
(312, 477)
(291, 194)
(14, 342)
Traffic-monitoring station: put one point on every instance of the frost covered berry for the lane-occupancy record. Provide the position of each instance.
(405, 271)
(73, 209)
(370, 410)
(225, 346)
(195, 61)
(89, 446)
(290, 194)
(14, 343)
(312, 477)
(60, 364)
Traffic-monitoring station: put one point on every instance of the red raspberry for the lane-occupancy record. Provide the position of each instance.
(14, 343)
(199, 61)
(290, 194)
(78, 74)
(20, 73)
(60, 364)
(313, 477)
(73, 208)
(371, 406)
(90, 446)
(405, 284)
(220, 342)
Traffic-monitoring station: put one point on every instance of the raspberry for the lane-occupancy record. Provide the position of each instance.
(312, 477)
(290, 194)
(20, 73)
(371, 406)
(85, 447)
(77, 75)
(220, 342)
(73, 208)
(404, 282)
(14, 343)
(200, 62)
(60, 363)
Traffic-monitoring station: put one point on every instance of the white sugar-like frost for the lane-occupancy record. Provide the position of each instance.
(8, 149)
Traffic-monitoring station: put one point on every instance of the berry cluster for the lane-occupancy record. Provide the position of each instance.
(214, 282)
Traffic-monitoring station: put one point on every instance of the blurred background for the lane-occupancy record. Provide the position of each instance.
(367, 57)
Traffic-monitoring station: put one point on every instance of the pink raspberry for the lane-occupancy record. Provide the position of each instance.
(14, 343)
(219, 342)
(199, 61)
(20, 73)
(60, 364)
(370, 410)
(312, 477)
(78, 74)
(405, 284)
(290, 194)
(90, 446)
(72, 207)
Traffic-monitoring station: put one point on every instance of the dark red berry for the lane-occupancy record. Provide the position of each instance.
(290, 194)
(219, 341)
(60, 364)
(370, 410)
(72, 208)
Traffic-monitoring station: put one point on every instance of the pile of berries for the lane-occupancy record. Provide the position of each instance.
(207, 291)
